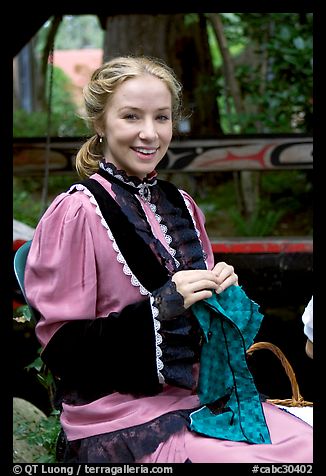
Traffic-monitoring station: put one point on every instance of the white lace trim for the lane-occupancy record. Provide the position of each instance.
(122, 179)
(164, 229)
(158, 341)
(120, 258)
(188, 205)
(134, 280)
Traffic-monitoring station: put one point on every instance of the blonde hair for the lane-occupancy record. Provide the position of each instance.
(102, 86)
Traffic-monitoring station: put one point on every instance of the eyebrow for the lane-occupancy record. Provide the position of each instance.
(132, 108)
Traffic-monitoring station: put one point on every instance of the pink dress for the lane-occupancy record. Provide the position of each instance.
(76, 271)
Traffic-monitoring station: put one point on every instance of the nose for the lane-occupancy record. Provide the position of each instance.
(148, 130)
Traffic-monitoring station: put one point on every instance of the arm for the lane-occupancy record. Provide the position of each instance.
(115, 351)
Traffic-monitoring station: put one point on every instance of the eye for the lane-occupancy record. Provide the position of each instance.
(163, 118)
(131, 117)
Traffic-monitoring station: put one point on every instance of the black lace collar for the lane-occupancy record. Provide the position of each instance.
(130, 182)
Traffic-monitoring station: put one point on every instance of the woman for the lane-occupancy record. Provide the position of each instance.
(116, 266)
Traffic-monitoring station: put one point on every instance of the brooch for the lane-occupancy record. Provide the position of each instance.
(144, 192)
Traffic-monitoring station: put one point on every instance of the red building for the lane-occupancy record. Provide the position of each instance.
(78, 65)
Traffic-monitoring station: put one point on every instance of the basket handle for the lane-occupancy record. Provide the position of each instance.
(297, 399)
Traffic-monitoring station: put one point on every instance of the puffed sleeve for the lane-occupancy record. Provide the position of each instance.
(88, 354)
(60, 275)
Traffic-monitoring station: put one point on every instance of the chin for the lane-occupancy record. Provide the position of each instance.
(146, 169)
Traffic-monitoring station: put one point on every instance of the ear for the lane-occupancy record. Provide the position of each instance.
(99, 131)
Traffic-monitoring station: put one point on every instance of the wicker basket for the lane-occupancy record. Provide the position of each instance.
(296, 400)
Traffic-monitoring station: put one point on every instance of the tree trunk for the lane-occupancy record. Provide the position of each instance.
(247, 183)
(182, 46)
(230, 78)
(41, 99)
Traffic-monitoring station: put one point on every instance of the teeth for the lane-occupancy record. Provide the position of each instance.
(146, 151)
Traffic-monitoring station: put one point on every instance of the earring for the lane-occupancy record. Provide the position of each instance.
(101, 139)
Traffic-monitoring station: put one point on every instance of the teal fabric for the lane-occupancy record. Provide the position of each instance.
(230, 322)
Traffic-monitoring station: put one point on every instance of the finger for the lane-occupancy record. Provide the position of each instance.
(203, 284)
(198, 296)
(223, 272)
(229, 281)
(193, 276)
(200, 274)
(220, 267)
(188, 290)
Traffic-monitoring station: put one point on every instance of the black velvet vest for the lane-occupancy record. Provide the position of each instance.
(95, 357)
(138, 255)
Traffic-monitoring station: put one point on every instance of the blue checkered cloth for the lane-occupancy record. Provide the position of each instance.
(232, 408)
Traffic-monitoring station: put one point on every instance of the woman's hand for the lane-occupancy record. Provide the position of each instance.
(225, 276)
(195, 285)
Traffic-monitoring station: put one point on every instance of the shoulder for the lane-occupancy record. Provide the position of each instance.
(190, 202)
(69, 206)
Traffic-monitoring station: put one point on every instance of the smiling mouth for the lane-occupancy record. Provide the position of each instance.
(145, 151)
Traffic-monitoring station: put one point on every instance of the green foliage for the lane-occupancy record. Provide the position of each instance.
(285, 207)
(278, 95)
(262, 222)
(289, 190)
(235, 49)
(64, 120)
(46, 431)
(90, 33)
(25, 208)
(276, 79)
(272, 54)
(43, 374)
(44, 436)
(27, 193)
(23, 314)
(27, 124)
(288, 182)
(277, 99)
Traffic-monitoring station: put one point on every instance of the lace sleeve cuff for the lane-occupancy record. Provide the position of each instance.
(167, 302)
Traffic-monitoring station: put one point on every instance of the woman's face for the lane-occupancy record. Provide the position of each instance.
(138, 125)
